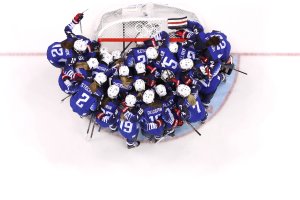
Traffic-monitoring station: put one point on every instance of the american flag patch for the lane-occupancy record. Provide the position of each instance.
(177, 23)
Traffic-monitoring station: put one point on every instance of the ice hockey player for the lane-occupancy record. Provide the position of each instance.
(151, 122)
(208, 88)
(169, 80)
(153, 118)
(213, 48)
(88, 96)
(123, 81)
(59, 52)
(128, 121)
(139, 86)
(92, 46)
(190, 105)
(168, 103)
(142, 73)
(104, 64)
(107, 114)
(136, 55)
(162, 39)
(185, 51)
(68, 86)
(116, 54)
(162, 59)
(187, 73)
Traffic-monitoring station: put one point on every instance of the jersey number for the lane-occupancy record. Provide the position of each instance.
(191, 55)
(126, 126)
(82, 100)
(57, 51)
(153, 118)
(142, 59)
(197, 106)
(171, 64)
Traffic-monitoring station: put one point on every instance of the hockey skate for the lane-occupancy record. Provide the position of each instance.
(223, 77)
(113, 128)
(170, 133)
(133, 145)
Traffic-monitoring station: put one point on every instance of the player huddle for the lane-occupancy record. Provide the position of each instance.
(151, 89)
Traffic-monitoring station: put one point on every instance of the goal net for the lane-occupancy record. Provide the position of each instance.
(137, 23)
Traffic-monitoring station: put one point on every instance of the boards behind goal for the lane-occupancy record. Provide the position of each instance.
(137, 23)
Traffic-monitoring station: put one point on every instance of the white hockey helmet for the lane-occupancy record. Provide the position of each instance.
(166, 74)
(80, 45)
(139, 43)
(140, 68)
(151, 53)
(113, 91)
(139, 85)
(123, 70)
(186, 64)
(100, 78)
(130, 100)
(148, 96)
(103, 50)
(183, 90)
(116, 54)
(93, 63)
(107, 58)
(173, 47)
(161, 90)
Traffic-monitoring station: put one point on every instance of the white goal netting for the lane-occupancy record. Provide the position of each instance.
(120, 27)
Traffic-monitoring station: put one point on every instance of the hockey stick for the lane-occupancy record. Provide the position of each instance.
(193, 128)
(81, 24)
(231, 66)
(240, 71)
(162, 138)
(93, 129)
(129, 44)
(80, 27)
(87, 132)
(65, 98)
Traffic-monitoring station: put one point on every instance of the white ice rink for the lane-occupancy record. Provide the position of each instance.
(249, 150)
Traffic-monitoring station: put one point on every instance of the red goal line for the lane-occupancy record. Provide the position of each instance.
(134, 39)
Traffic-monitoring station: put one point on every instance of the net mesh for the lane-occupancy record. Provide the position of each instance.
(120, 27)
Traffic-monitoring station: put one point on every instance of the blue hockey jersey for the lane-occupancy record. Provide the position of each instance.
(68, 86)
(57, 55)
(85, 101)
(136, 55)
(167, 60)
(110, 111)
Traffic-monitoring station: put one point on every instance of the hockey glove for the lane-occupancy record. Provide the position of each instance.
(65, 77)
(78, 77)
(77, 18)
(159, 122)
(151, 69)
(181, 34)
(175, 124)
(151, 83)
(100, 115)
(123, 107)
(185, 113)
(151, 43)
(205, 71)
(177, 112)
(180, 123)
(187, 80)
(174, 81)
